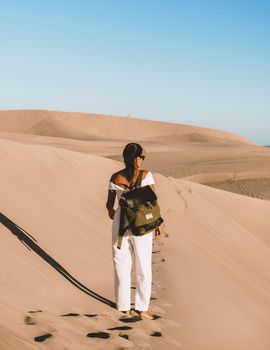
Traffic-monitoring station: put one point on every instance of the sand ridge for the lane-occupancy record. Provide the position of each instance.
(90, 126)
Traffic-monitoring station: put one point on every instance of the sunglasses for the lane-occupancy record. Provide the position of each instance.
(142, 157)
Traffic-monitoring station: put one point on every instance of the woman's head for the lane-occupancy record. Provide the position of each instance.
(133, 155)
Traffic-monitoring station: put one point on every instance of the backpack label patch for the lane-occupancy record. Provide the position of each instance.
(149, 216)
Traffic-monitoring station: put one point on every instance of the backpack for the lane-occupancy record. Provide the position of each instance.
(141, 208)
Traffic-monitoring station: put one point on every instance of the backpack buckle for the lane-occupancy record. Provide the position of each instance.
(130, 203)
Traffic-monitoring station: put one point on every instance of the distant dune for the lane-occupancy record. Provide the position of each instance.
(213, 157)
(87, 126)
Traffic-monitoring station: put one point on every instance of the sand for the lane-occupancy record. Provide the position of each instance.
(210, 267)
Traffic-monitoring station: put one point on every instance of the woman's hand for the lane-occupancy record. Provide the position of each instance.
(111, 213)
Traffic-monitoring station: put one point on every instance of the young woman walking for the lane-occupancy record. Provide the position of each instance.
(141, 245)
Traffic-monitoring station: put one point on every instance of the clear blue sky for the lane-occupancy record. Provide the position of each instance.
(201, 62)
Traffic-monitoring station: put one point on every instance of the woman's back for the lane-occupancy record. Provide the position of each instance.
(119, 182)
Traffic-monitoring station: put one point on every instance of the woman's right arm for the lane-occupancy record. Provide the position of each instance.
(111, 197)
(110, 203)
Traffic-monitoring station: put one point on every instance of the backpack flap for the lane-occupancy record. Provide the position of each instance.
(140, 195)
(147, 218)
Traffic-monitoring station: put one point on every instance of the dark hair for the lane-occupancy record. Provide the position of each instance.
(130, 152)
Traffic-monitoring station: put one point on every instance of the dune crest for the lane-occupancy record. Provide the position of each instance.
(90, 126)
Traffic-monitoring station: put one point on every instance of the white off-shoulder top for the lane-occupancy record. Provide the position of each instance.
(148, 180)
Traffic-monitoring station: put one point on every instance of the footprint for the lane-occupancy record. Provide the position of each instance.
(90, 315)
(155, 317)
(42, 337)
(120, 328)
(156, 334)
(130, 319)
(102, 335)
(32, 311)
(29, 320)
(123, 336)
(71, 314)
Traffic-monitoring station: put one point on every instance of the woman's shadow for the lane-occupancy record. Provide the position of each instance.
(30, 243)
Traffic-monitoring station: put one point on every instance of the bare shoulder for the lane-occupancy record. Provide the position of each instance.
(115, 176)
(145, 172)
(119, 176)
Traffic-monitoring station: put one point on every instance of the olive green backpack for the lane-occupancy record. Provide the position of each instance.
(141, 208)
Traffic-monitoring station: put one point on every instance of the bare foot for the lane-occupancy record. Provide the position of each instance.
(127, 313)
(145, 314)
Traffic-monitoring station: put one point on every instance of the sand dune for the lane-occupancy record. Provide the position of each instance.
(213, 157)
(211, 274)
(90, 126)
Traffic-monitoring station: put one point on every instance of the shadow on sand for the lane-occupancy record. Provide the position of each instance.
(30, 242)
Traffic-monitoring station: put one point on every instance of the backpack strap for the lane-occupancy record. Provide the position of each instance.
(138, 181)
(122, 229)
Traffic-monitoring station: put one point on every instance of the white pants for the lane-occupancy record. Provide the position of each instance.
(142, 247)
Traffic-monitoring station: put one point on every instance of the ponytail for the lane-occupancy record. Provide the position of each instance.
(130, 168)
(130, 152)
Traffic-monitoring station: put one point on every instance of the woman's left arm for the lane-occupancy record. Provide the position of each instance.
(158, 230)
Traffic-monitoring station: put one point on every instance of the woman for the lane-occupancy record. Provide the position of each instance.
(141, 245)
